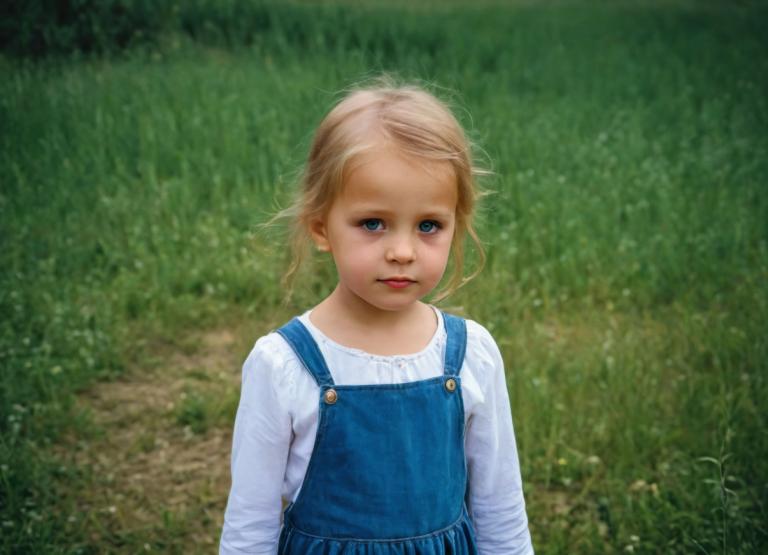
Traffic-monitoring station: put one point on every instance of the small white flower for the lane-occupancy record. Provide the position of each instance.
(638, 485)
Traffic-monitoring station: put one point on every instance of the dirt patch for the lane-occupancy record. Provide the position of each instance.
(158, 450)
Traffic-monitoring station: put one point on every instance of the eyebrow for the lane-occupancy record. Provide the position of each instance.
(373, 211)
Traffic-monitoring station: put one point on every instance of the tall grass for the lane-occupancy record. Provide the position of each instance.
(627, 238)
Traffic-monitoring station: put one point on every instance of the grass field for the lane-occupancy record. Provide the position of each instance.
(626, 282)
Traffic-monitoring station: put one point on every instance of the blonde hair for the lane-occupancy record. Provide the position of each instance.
(411, 119)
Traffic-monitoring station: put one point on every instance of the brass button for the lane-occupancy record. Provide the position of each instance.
(330, 396)
(450, 385)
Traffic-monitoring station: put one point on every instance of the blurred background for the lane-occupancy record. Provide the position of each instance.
(143, 142)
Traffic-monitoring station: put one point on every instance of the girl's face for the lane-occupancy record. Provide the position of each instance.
(390, 229)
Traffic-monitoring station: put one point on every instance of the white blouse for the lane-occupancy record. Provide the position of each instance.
(277, 419)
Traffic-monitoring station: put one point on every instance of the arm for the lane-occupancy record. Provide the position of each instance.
(260, 446)
(496, 501)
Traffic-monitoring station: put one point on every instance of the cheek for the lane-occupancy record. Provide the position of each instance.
(438, 256)
(443, 246)
(356, 267)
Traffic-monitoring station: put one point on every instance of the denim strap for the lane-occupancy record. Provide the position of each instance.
(456, 344)
(303, 344)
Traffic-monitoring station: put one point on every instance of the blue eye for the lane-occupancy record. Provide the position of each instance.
(372, 224)
(429, 226)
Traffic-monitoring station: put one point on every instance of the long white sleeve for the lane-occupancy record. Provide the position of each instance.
(496, 501)
(262, 438)
(276, 424)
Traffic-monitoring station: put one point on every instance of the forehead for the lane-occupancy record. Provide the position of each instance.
(385, 171)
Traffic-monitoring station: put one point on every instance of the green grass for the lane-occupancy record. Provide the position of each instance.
(627, 240)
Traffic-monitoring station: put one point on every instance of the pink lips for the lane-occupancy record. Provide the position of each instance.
(397, 283)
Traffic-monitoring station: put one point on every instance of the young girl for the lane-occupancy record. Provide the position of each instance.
(382, 422)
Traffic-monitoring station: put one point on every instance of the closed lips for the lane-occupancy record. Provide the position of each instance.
(397, 282)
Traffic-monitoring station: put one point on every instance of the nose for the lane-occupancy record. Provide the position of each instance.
(401, 249)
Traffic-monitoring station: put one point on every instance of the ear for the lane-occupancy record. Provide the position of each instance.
(319, 233)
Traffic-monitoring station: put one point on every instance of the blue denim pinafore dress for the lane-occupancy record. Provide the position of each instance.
(387, 475)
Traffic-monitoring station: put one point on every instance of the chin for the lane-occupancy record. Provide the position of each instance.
(397, 305)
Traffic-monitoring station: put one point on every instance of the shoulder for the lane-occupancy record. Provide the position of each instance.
(478, 333)
(481, 342)
(270, 351)
(483, 357)
(273, 360)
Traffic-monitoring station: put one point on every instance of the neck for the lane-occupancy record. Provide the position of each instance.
(350, 322)
(349, 309)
